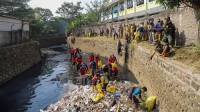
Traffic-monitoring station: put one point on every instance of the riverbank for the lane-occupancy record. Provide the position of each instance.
(175, 83)
(41, 85)
(18, 58)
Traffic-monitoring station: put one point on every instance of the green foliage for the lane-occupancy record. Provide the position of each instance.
(176, 3)
(17, 8)
(41, 20)
(90, 17)
(43, 14)
(69, 10)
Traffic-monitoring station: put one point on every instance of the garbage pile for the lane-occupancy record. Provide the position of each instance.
(82, 99)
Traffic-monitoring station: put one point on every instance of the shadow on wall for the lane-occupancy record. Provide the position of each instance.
(180, 38)
(127, 74)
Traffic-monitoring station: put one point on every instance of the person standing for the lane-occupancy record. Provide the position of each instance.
(119, 47)
(158, 30)
(151, 31)
(169, 31)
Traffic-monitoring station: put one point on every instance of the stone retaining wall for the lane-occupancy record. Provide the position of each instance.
(177, 87)
(18, 58)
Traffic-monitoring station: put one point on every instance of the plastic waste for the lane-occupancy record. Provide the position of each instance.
(85, 99)
(111, 88)
(100, 64)
(150, 103)
(98, 97)
(99, 88)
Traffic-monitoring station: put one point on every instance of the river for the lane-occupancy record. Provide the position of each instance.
(40, 86)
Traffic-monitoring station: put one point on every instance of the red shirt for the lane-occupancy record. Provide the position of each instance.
(79, 60)
(97, 59)
(91, 58)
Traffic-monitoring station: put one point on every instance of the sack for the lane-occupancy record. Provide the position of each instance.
(100, 64)
(102, 79)
(99, 88)
(98, 97)
(150, 103)
(111, 88)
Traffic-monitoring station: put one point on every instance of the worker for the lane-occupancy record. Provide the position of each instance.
(136, 93)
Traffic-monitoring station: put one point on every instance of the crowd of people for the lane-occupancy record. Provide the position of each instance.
(159, 33)
(102, 76)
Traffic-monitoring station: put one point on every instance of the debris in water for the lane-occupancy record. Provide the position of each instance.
(80, 100)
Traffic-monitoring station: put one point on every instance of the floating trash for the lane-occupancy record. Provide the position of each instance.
(81, 100)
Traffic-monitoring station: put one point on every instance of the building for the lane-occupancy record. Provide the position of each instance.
(117, 10)
(13, 31)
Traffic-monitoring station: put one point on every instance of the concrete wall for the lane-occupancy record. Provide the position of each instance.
(18, 58)
(177, 87)
(11, 31)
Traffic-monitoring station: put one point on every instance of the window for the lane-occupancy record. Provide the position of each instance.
(115, 9)
(140, 2)
(130, 4)
(121, 6)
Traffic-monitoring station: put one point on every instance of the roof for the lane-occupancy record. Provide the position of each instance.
(12, 17)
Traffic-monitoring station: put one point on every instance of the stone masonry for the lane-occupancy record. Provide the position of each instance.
(18, 58)
(175, 84)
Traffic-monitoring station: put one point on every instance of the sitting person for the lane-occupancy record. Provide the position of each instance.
(159, 47)
(166, 50)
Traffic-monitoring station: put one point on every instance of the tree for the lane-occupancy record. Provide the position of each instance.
(94, 10)
(176, 3)
(43, 14)
(69, 10)
(10, 7)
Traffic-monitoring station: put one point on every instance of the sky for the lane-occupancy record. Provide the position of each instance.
(53, 5)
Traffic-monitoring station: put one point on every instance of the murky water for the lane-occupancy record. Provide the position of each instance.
(40, 86)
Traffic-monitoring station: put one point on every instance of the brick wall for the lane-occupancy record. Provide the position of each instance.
(177, 87)
(18, 58)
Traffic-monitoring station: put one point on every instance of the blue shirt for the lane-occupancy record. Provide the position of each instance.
(136, 91)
